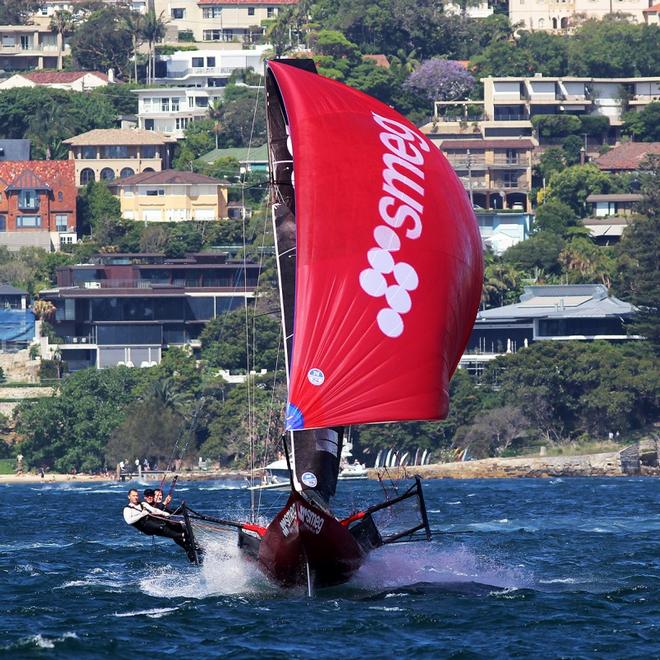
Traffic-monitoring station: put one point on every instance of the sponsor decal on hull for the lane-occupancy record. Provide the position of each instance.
(298, 516)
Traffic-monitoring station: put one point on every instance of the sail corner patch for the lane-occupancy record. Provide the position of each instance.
(294, 418)
(309, 479)
(316, 377)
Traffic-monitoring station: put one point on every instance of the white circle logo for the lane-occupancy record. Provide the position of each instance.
(316, 377)
(309, 479)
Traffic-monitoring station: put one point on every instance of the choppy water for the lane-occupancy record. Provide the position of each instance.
(543, 568)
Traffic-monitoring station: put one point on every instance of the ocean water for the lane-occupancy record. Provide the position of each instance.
(552, 568)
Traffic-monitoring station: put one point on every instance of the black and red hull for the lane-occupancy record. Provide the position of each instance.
(304, 543)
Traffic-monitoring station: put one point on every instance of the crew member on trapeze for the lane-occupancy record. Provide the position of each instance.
(153, 522)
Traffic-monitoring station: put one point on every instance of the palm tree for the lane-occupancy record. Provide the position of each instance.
(61, 23)
(134, 22)
(153, 31)
(216, 113)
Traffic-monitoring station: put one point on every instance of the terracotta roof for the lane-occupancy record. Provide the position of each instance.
(61, 77)
(46, 171)
(118, 136)
(378, 60)
(627, 156)
(652, 10)
(486, 144)
(247, 2)
(164, 178)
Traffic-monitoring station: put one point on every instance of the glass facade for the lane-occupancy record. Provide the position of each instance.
(124, 335)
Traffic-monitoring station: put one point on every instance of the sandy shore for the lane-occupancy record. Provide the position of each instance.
(33, 478)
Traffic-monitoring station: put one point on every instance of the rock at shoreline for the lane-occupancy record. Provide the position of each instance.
(641, 458)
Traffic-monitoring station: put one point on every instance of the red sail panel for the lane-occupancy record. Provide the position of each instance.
(389, 263)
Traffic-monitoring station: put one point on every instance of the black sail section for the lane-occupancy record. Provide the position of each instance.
(316, 454)
(313, 454)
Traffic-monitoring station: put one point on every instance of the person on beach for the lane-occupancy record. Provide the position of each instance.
(153, 522)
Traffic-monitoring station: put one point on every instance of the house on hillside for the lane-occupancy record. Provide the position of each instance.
(24, 47)
(250, 160)
(71, 81)
(171, 196)
(547, 313)
(17, 321)
(125, 309)
(37, 204)
(626, 157)
(105, 154)
(223, 21)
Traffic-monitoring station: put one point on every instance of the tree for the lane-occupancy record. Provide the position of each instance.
(637, 278)
(541, 251)
(643, 126)
(17, 12)
(71, 429)
(548, 51)
(104, 41)
(571, 388)
(555, 216)
(503, 58)
(551, 126)
(440, 80)
(197, 141)
(584, 262)
(153, 31)
(573, 148)
(502, 284)
(493, 432)
(61, 23)
(573, 185)
(553, 159)
(96, 207)
(224, 342)
(184, 238)
(613, 47)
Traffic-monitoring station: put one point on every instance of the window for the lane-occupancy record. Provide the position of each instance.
(270, 12)
(175, 104)
(250, 11)
(88, 153)
(86, 176)
(165, 105)
(107, 174)
(115, 151)
(178, 14)
(212, 35)
(181, 123)
(155, 192)
(211, 12)
(201, 101)
(126, 172)
(62, 222)
(60, 196)
(148, 151)
(3, 223)
(148, 124)
(28, 221)
(197, 61)
(210, 61)
(28, 199)
(66, 240)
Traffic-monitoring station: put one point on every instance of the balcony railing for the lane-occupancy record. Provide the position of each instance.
(205, 283)
(518, 161)
(462, 162)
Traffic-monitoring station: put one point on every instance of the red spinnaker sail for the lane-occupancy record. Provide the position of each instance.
(389, 264)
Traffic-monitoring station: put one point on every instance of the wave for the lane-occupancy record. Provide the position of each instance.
(400, 566)
(154, 613)
(39, 641)
(225, 572)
